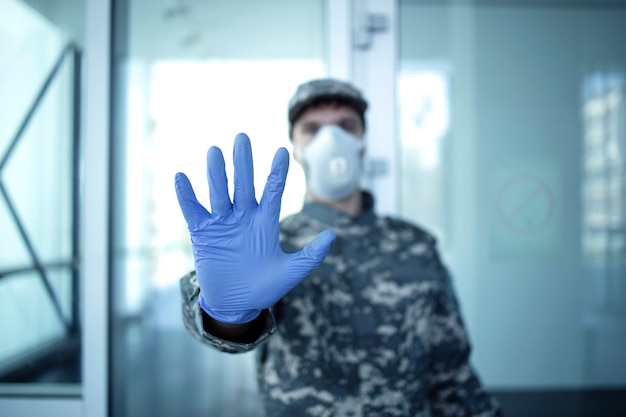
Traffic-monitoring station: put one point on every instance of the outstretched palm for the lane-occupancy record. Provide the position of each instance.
(240, 266)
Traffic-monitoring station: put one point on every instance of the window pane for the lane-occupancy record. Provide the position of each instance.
(195, 74)
(39, 57)
(512, 138)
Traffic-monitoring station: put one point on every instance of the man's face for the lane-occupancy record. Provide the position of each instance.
(324, 114)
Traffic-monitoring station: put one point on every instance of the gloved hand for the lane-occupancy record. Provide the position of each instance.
(240, 266)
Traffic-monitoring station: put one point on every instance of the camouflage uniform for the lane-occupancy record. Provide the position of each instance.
(375, 330)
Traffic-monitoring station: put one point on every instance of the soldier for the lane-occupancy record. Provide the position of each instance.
(361, 321)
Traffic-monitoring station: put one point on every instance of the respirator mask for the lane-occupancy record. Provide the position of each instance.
(332, 163)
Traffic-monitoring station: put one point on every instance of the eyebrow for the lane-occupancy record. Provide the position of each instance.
(310, 123)
(344, 120)
(349, 120)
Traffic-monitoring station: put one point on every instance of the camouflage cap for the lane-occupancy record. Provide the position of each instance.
(323, 89)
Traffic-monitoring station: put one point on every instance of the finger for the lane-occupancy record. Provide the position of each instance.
(218, 183)
(318, 248)
(301, 263)
(243, 197)
(273, 191)
(193, 211)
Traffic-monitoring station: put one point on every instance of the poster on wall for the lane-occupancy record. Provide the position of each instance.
(527, 204)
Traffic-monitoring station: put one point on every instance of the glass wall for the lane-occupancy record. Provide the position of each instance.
(40, 57)
(511, 140)
(190, 75)
(512, 136)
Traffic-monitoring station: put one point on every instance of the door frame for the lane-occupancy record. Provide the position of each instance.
(96, 217)
(94, 200)
(371, 68)
(360, 51)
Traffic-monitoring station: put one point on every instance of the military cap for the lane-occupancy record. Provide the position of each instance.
(324, 89)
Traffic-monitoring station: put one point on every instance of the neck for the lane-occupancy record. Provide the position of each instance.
(351, 205)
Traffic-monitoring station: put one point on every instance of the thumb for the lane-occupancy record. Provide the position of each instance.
(313, 253)
(192, 210)
(318, 248)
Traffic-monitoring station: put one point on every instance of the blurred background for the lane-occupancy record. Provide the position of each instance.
(500, 126)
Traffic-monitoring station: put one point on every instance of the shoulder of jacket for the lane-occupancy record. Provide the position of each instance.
(415, 231)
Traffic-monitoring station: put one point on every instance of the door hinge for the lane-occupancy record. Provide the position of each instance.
(370, 24)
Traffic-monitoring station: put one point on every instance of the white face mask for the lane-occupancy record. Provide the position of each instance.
(332, 163)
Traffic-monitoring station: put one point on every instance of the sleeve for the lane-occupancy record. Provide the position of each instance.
(192, 318)
(454, 388)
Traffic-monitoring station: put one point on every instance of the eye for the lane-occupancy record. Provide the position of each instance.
(310, 129)
(350, 126)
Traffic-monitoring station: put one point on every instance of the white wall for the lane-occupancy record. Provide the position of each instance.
(67, 15)
(235, 29)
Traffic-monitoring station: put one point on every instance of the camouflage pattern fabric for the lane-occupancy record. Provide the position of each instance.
(375, 330)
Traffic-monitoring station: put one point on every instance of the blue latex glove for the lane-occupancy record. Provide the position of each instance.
(240, 266)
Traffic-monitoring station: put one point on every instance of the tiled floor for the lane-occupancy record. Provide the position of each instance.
(174, 375)
(566, 403)
(161, 371)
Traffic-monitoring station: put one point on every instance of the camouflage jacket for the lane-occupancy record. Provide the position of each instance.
(375, 330)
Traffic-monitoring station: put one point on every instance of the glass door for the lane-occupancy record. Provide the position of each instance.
(190, 75)
(512, 139)
(497, 126)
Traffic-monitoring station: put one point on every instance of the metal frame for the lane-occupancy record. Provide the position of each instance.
(374, 60)
(366, 55)
(95, 213)
(338, 42)
(50, 407)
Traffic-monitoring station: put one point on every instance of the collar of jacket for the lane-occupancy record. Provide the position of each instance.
(334, 218)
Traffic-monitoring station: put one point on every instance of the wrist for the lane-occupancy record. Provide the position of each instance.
(238, 333)
(234, 318)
